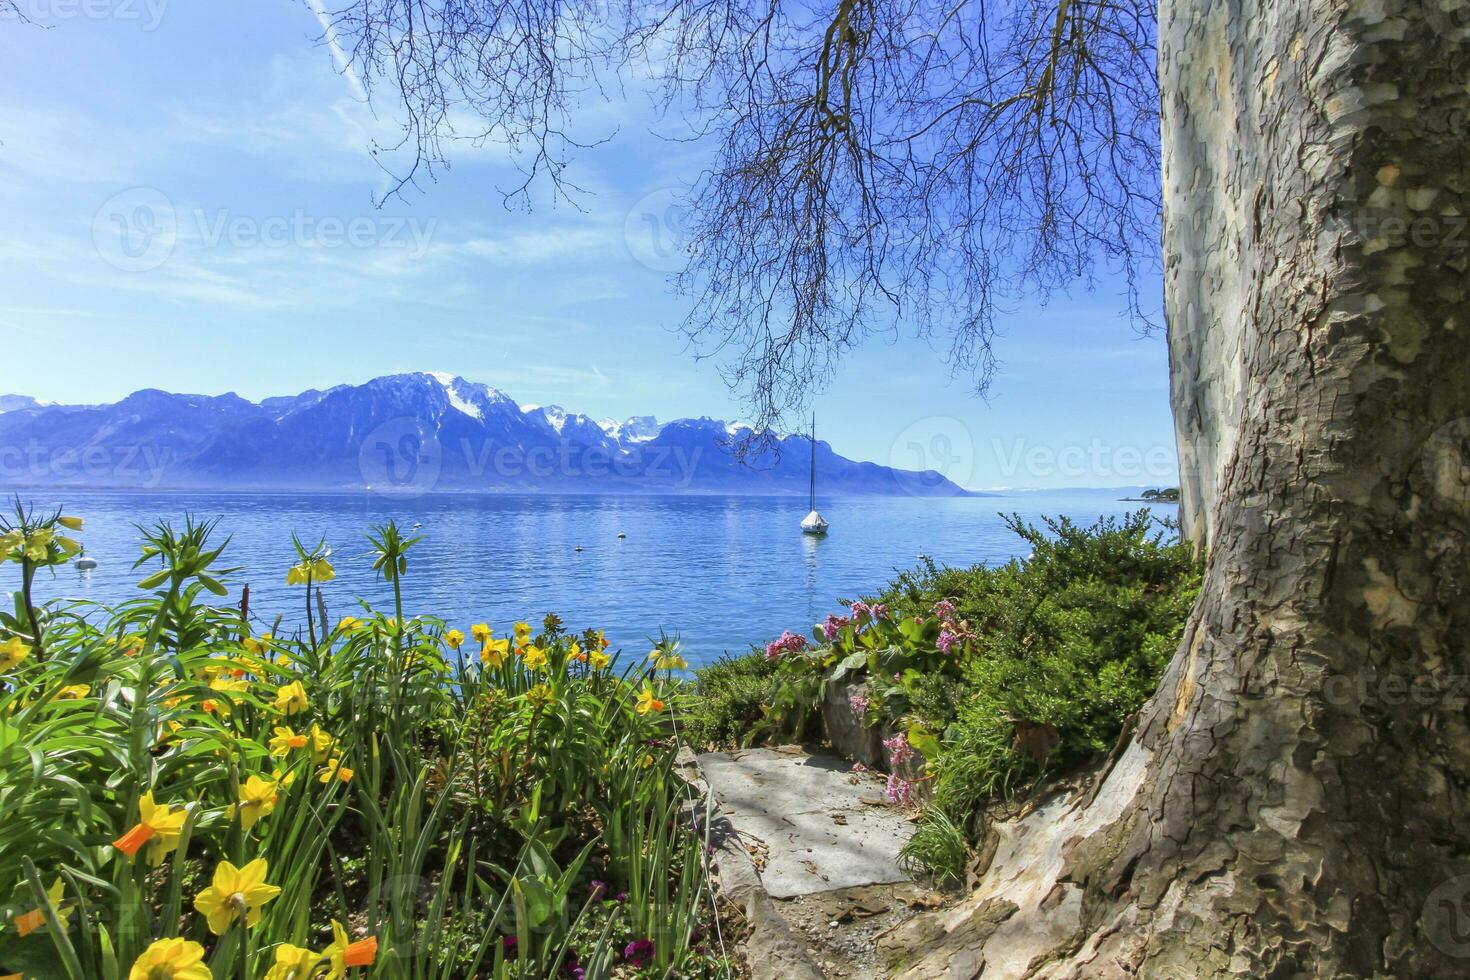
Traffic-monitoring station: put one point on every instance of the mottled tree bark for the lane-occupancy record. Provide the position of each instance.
(1296, 799)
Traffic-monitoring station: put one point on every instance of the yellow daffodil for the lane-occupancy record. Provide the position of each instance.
(158, 826)
(221, 706)
(648, 761)
(323, 746)
(28, 922)
(454, 639)
(285, 741)
(334, 770)
(73, 692)
(577, 653)
(291, 698)
(313, 570)
(176, 959)
(36, 543)
(664, 660)
(348, 623)
(523, 633)
(648, 702)
(535, 658)
(599, 659)
(293, 963)
(540, 696)
(481, 632)
(344, 954)
(12, 654)
(130, 645)
(234, 895)
(257, 799)
(601, 640)
(493, 653)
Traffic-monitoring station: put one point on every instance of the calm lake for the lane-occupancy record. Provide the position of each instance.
(722, 571)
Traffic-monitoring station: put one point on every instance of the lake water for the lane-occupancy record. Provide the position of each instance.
(722, 571)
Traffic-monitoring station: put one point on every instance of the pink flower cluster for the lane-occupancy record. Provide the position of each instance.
(900, 791)
(946, 641)
(859, 703)
(899, 749)
(788, 642)
(944, 609)
(863, 612)
(833, 625)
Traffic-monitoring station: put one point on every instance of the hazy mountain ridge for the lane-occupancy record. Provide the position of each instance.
(407, 433)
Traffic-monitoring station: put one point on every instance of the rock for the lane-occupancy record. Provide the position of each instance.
(849, 736)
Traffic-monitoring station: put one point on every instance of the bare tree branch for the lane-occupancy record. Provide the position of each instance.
(880, 165)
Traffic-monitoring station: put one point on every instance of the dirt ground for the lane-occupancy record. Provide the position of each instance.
(842, 928)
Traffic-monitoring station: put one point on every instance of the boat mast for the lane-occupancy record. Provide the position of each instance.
(814, 463)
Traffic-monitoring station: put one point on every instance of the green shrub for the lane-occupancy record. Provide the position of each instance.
(1062, 647)
(734, 698)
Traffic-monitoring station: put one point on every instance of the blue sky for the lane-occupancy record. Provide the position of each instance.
(187, 201)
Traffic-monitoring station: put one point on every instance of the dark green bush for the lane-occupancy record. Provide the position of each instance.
(734, 695)
(1064, 645)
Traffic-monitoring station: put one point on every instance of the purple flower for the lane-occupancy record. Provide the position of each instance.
(946, 641)
(508, 944)
(622, 897)
(639, 952)
(833, 625)
(899, 750)
(899, 791)
(596, 890)
(944, 609)
(788, 642)
(859, 703)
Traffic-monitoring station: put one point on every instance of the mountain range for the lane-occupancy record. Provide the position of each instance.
(409, 434)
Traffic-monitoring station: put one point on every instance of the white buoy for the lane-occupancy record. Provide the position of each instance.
(86, 564)
(621, 535)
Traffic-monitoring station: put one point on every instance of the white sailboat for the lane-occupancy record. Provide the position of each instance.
(814, 523)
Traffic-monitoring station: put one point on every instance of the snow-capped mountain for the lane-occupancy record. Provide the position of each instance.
(407, 433)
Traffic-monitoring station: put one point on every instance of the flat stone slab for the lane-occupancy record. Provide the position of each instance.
(808, 814)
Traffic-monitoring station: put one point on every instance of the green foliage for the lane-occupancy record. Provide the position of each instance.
(734, 695)
(937, 848)
(453, 806)
(1064, 646)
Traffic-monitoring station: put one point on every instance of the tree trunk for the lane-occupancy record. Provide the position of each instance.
(1295, 800)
